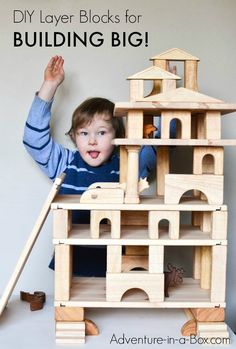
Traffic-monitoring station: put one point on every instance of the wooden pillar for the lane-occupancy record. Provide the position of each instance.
(136, 90)
(163, 168)
(190, 75)
(206, 267)
(132, 179)
(63, 272)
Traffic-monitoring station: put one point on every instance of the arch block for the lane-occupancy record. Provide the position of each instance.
(177, 185)
(117, 284)
(156, 216)
(216, 166)
(96, 217)
(183, 116)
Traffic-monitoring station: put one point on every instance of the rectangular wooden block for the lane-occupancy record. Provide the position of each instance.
(176, 185)
(156, 216)
(68, 314)
(135, 124)
(136, 250)
(131, 262)
(70, 332)
(134, 218)
(219, 224)
(114, 254)
(218, 276)
(208, 314)
(156, 259)
(61, 223)
(163, 168)
(63, 271)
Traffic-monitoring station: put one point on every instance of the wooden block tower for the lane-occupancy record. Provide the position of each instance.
(136, 239)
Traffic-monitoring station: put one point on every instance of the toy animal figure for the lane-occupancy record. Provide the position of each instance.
(148, 130)
(173, 277)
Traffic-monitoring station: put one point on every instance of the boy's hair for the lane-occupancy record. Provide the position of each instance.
(85, 112)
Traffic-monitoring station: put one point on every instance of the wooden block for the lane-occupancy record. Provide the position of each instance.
(177, 185)
(61, 223)
(156, 216)
(168, 85)
(70, 332)
(197, 263)
(118, 284)
(163, 168)
(134, 218)
(190, 327)
(135, 124)
(218, 275)
(132, 262)
(91, 328)
(156, 259)
(219, 225)
(68, 314)
(212, 330)
(206, 263)
(63, 271)
(132, 188)
(136, 90)
(175, 54)
(157, 85)
(185, 119)
(123, 163)
(206, 223)
(190, 75)
(196, 218)
(213, 124)
(208, 314)
(97, 216)
(103, 196)
(208, 160)
(136, 250)
(114, 254)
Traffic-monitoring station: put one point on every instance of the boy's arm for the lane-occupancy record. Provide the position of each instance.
(51, 157)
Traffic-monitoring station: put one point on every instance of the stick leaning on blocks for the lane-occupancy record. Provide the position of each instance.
(30, 243)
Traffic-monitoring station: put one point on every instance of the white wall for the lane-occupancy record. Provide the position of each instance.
(204, 28)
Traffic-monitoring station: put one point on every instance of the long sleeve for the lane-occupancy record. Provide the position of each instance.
(51, 157)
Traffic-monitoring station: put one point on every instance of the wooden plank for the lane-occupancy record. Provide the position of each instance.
(147, 203)
(30, 243)
(152, 107)
(123, 163)
(177, 185)
(175, 142)
(197, 263)
(63, 271)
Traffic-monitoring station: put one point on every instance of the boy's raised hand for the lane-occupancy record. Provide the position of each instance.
(54, 71)
(53, 77)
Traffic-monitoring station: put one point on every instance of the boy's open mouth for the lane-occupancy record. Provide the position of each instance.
(94, 154)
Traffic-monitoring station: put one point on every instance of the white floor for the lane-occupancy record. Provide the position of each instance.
(22, 329)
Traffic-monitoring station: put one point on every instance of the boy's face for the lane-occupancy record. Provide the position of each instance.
(94, 140)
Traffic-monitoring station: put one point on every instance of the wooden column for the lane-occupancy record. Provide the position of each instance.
(132, 179)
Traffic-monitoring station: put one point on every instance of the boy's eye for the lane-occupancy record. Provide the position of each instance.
(83, 133)
(102, 133)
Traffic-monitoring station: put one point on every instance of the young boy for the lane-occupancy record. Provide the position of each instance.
(93, 128)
